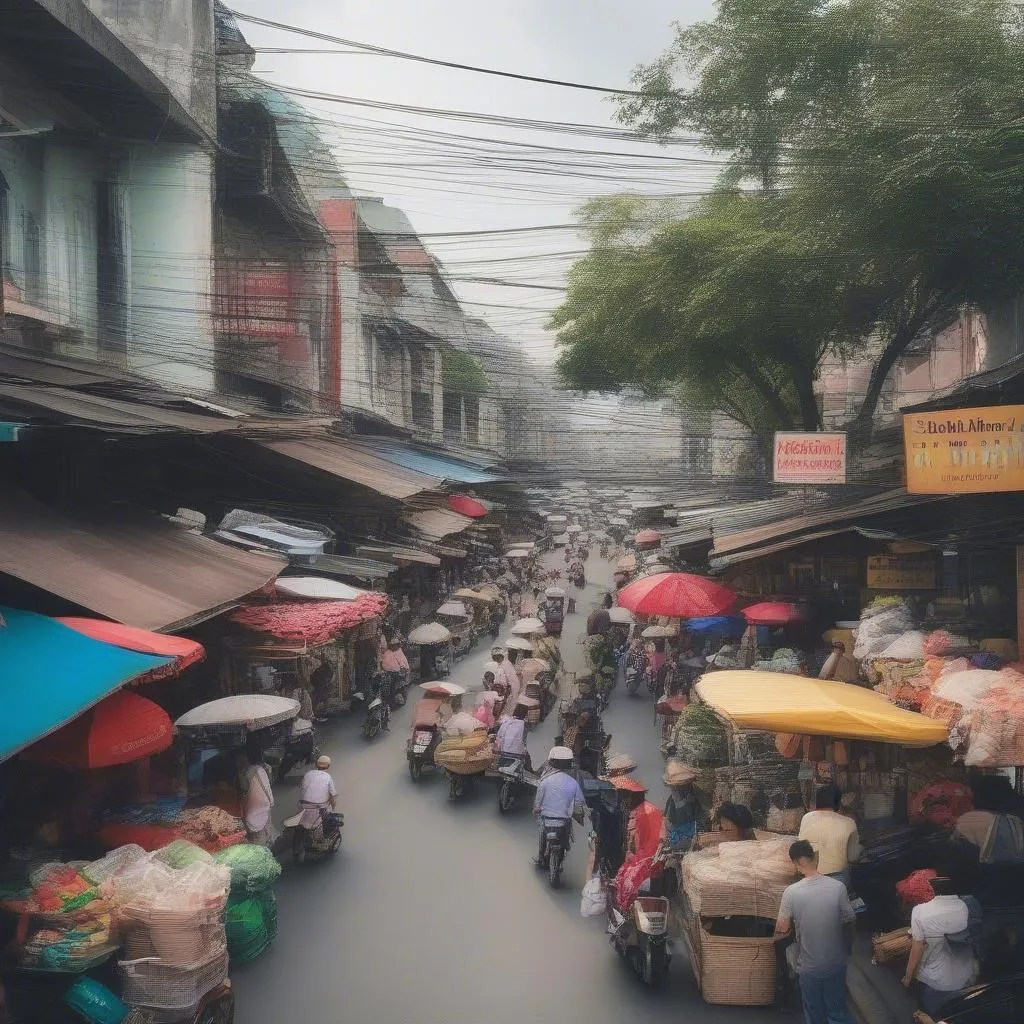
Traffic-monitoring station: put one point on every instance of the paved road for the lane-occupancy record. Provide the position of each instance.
(432, 912)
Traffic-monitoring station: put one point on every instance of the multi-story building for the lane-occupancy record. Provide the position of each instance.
(107, 133)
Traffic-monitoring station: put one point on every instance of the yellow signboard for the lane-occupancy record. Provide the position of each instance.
(965, 451)
(901, 572)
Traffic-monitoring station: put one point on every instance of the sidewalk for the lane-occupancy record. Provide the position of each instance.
(875, 991)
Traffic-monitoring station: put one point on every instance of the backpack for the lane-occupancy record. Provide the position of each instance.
(971, 936)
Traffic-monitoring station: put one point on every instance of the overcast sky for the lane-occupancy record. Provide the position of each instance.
(442, 184)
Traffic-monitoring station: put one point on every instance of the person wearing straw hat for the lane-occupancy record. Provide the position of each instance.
(683, 813)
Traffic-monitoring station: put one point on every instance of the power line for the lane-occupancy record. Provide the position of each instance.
(386, 52)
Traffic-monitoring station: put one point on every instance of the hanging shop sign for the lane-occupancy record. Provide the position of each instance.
(901, 572)
(809, 458)
(965, 451)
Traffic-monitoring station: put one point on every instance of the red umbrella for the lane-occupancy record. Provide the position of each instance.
(466, 506)
(184, 651)
(648, 537)
(773, 613)
(122, 728)
(676, 594)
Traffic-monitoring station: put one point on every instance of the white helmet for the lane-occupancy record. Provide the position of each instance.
(560, 754)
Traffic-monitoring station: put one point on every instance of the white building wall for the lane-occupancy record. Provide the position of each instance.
(170, 198)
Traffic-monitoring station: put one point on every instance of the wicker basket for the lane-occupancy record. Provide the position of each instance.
(732, 971)
(894, 945)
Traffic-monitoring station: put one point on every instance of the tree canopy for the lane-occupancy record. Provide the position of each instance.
(462, 374)
(871, 190)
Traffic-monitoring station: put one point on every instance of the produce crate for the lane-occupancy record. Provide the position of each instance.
(894, 945)
(732, 971)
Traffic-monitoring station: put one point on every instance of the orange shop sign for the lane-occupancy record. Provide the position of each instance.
(965, 451)
(809, 458)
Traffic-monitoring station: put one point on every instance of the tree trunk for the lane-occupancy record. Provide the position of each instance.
(748, 368)
(809, 412)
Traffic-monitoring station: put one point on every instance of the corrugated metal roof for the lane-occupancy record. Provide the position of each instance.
(139, 570)
(399, 553)
(990, 387)
(750, 554)
(350, 566)
(865, 508)
(438, 522)
(433, 463)
(343, 458)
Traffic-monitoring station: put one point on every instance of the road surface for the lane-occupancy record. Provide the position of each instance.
(432, 912)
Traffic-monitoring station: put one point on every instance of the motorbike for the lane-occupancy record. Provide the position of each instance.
(556, 838)
(640, 936)
(323, 840)
(299, 747)
(634, 677)
(395, 686)
(514, 780)
(378, 712)
(577, 576)
(419, 751)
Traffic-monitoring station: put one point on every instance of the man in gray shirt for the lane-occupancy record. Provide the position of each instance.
(820, 908)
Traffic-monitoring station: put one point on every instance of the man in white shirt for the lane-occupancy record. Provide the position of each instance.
(941, 968)
(559, 797)
(833, 835)
(511, 737)
(316, 792)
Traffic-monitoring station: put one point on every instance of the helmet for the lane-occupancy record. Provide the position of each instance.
(560, 754)
(323, 762)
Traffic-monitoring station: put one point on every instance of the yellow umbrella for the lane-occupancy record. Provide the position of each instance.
(776, 702)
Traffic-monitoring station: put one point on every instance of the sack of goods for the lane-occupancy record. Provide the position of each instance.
(738, 878)
(465, 755)
(250, 922)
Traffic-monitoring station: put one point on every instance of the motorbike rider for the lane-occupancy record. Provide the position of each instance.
(559, 797)
(394, 665)
(511, 735)
(317, 793)
(461, 722)
(506, 672)
(584, 730)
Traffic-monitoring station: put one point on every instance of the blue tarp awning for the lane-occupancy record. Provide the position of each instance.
(50, 674)
(431, 463)
(718, 625)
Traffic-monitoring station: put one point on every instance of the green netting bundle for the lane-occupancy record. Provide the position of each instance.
(253, 868)
(180, 854)
(250, 924)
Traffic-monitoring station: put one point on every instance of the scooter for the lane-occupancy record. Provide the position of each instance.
(323, 840)
(640, 936)
(299, 747)
(634, 677)
(378, 713)
(555, 842)
(395, 686)
(514, 780)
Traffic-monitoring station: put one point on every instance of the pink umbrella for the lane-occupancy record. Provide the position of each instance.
(773, 613)
(676, 594)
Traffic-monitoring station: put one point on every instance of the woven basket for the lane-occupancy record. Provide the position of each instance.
(894, 945)
(731, 971)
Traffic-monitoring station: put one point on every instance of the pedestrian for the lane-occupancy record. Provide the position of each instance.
(599, 621)
(819, 907)
(832, 834)
(257, 798)
(941, 966)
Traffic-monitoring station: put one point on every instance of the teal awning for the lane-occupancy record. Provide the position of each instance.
(50, 674)
(11, 431)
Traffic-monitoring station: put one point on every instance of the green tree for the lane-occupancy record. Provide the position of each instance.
(894, 129)
(729, 300)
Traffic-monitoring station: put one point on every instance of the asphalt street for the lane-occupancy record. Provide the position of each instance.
(432, 912)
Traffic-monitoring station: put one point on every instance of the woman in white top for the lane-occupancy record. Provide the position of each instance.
(257, 800)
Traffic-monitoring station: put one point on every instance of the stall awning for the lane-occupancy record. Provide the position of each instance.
(310, 622)
(776, 702)
(399, 553)
(352, 567)
(428, 461)
(750, 554)
(437, 523)
(140, 570)
(51, 674)
(350, 461)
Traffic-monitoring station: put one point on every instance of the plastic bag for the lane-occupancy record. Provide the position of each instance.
(592, 902)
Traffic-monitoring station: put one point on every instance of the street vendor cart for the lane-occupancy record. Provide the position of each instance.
(554, 610)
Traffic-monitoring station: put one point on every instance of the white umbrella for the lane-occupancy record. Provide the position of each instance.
(554, 592)
(456, 609)
(623, 615)
(253, 710)
(562, 538)
(452, 689)
(518, 643)
(574, 529)
(490, 666)
(657, 632)
(558, 519)
(524, 627)
(317, 587)
(430, 633)
(518, 553)
(521, 545)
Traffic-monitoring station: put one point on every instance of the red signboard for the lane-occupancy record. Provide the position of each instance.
(256, 302)
(809, 458)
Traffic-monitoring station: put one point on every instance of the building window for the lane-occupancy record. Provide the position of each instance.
(472, 406)
(33, 258)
